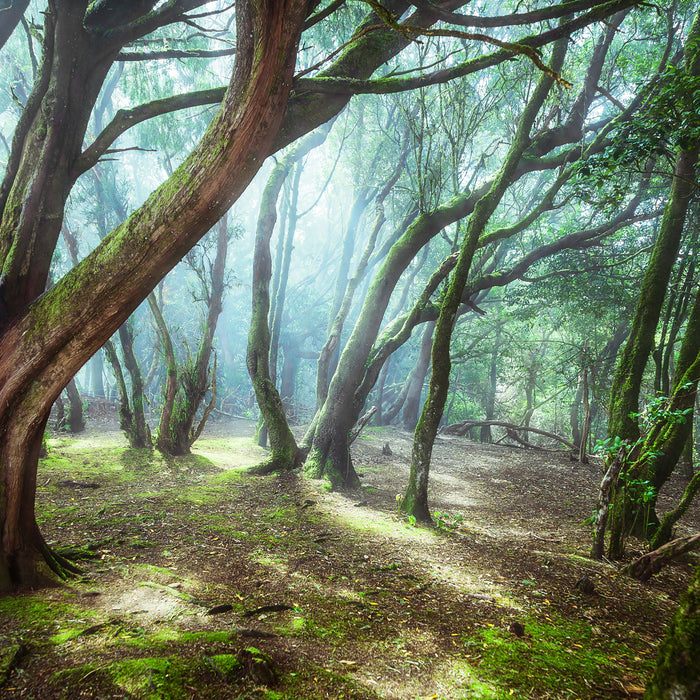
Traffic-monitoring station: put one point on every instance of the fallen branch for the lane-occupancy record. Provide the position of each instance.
(355, 432)
(465, 426)
(651, 563)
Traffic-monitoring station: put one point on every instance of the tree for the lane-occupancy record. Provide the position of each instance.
(45, 338)
(624, 405)
(415, 500)
(677, 673)
(188, 382)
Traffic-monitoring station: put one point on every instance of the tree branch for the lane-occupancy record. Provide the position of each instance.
(174, 53)
(124, 119)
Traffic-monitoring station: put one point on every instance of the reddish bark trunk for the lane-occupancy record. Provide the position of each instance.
(42, 345)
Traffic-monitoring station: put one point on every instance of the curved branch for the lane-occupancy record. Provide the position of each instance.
(175, 53)
(527, 46)
(554, 12)
(124, 119)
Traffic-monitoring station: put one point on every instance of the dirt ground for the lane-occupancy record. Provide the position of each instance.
(201, 581)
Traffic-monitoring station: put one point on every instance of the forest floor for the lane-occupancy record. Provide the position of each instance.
(201, 581)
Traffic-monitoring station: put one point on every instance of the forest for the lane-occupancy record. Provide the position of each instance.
(349, 349)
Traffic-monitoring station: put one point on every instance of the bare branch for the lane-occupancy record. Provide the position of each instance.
(174, 53)
(124, 119)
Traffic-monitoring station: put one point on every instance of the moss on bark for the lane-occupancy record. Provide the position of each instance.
(677, 675)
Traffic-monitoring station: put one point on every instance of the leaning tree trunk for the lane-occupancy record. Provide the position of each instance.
(415, 500)
(46, 338)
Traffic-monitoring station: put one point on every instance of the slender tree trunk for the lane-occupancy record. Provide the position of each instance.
(583, 446)
(187, 385)
(96, 381)
(76, 419)
(141, 436)
(284, 451)
(490, 402)
(417, 379)
(126, 417)
(630, 369)
(415, 500)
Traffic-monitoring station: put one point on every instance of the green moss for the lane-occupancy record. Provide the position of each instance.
(535, 665)
(40, 615)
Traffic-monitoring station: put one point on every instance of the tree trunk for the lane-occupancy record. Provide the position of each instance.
(628, 377)
(677, 675)
(97, 386)
(490, 398)
(583, 447)
(415, 500)
(417, 379)
(285, 454)
(658, 455)
(46, 338)
(76, 419)
(141, 435)
(187, 385)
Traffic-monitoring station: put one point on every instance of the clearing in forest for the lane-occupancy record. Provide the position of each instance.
(202, 581)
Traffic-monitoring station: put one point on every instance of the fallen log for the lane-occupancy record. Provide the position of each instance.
(651, 563)
(463, 427)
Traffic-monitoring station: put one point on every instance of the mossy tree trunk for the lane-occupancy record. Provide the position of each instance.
(197, 378)
(656, 457)
(627, 382)
(46, 338)
(140, 434)
(677, 675)
(630, 369)
(415, 500)
(284, 451)
(126, 416)
(187, 383)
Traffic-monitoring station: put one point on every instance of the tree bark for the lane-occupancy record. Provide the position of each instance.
(677, 675)
(652, 562)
